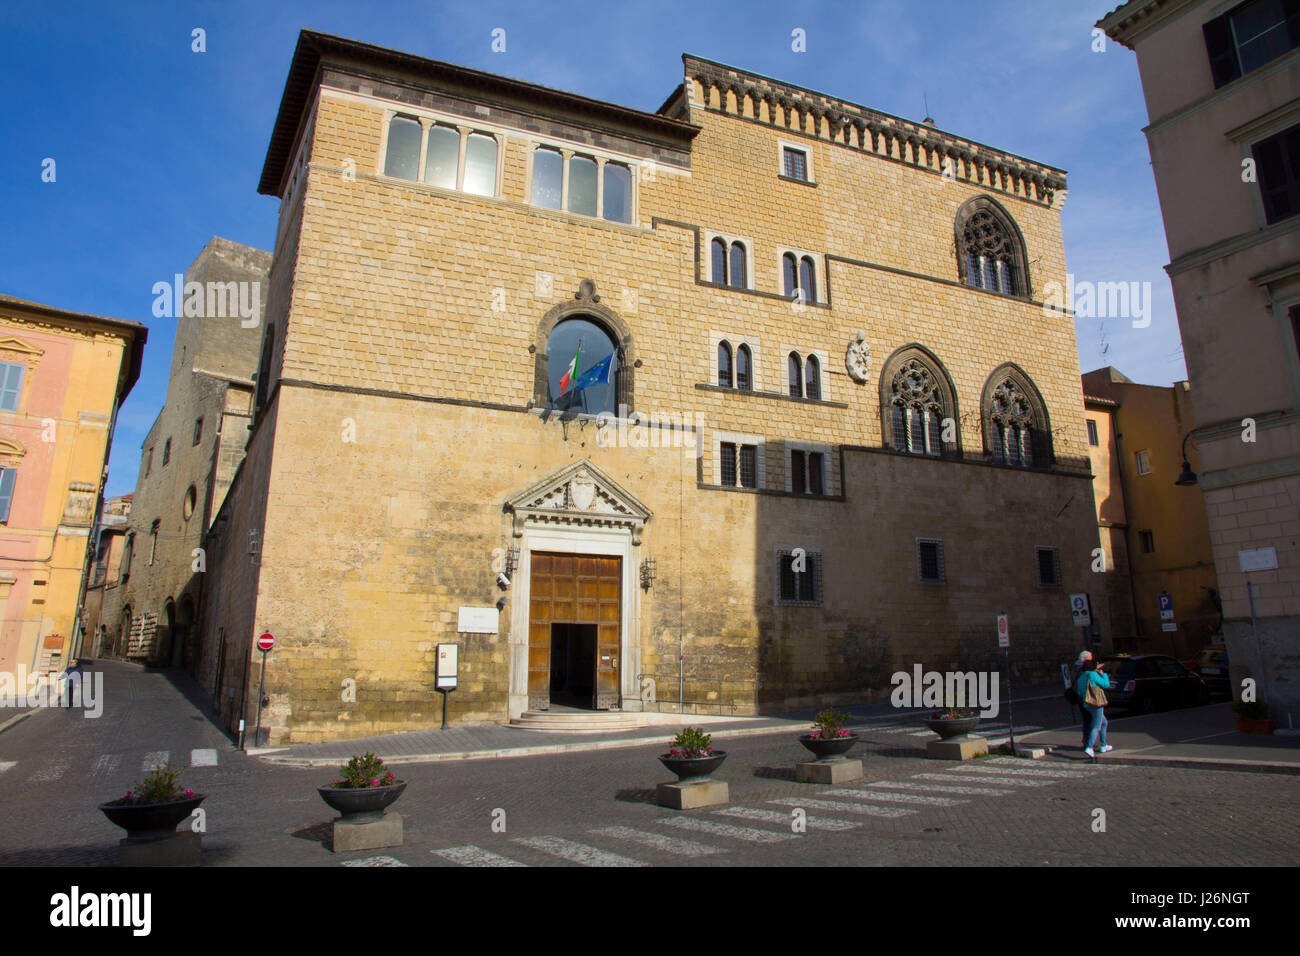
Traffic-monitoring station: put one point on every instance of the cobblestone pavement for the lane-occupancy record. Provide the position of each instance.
(597, 808)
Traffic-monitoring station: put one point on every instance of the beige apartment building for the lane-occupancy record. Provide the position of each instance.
(1222, 88)
(1155, 543)
(190, 454)
(829, 430)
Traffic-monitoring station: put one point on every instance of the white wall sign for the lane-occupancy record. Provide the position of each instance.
(478, 620)
(1258, 559)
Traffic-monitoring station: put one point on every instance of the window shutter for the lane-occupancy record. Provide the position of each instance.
(7, 478)
(1223, 55)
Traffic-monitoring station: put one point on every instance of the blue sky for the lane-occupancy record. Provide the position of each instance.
(159, 148)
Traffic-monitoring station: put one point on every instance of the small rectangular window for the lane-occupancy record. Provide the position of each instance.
(148, 462)
(8, 476)
(798, 471)
(795, 163)
(1092, 433)
(198, 430)
(1049, 568)
(1277, 167)
(1142, 461)
(167, 451)
(1148, 542)
(728, 455)
(748, 466)
(548, 178)
(11, 385)
(929, 559)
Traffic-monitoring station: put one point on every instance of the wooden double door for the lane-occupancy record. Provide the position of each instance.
(574, 620)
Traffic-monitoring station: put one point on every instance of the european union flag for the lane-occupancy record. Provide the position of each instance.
(598, 374)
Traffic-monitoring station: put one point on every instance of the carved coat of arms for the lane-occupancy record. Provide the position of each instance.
(582, 491)
(857, 358)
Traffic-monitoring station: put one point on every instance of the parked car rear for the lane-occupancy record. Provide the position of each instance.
(1148, 682)
(1211, 665)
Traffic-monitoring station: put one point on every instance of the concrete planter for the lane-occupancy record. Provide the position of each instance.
(694, 769)
(829, 748)
(360, 804)
(949, 727)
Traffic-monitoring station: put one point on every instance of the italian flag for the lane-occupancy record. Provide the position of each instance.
(572, 372)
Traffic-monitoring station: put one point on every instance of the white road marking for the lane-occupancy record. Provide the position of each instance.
(984, 767)
(153, 760)
(578, 853)
(658, 841)
(992, 732)
(106, 764)
(374, 861)
(208, 758)
(53, 772)
(1075, 766)
(895, 797)
(844, 806)
(475, 856)
(6, 764)
(903, 729)
(778, 816)
(938, 787)
(726, 830)
(1001, 780)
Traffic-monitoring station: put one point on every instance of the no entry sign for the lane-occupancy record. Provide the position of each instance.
(265, 642)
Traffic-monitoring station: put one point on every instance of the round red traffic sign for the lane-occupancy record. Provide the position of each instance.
(265, 642)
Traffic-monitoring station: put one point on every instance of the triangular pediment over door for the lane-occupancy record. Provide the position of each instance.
(577, 495)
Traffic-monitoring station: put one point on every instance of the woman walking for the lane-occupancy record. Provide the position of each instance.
(1091, 687)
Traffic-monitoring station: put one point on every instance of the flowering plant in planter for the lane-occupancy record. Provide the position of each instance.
(159, 786)
(364, 771)
(829, 725)
(953, 713)
(690, 743)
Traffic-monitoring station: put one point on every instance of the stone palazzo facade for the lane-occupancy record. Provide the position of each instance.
(831, 432)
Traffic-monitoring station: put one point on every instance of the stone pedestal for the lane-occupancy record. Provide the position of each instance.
(689, 796)
(179, 849)
(957, 748)
(371, 834)
(828, 771)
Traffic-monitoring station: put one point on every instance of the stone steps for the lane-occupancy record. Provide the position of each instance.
(576, 723)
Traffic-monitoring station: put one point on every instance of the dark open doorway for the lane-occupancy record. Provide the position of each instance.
(573, 665)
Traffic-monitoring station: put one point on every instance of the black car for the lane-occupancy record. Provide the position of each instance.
(1147, 682)
(1212, 667)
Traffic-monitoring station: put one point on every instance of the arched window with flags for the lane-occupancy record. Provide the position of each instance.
(582, 366)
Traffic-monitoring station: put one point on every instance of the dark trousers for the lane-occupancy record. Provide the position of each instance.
(1086, 719)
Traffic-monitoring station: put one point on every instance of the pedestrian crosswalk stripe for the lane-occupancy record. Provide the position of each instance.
(53, 772)
(991, 732)
(578, 853)
(1073, 766)
(203, 758)
(658, 841)
(982, 767)
(1000, 780)
(153, 760)
(846, 806)
(726, 830)
(475, 856)
(778, 816)
(938, 787)
(6, 764)
(887, 797)
(106, 764)
(375, 861)
(903, 729)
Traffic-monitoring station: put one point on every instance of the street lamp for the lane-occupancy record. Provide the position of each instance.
(1188, 477)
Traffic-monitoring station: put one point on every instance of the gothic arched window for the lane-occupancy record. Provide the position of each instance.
(737, 276)
(744, 368)
(724, 364)
(990, 250)
(795, 368)
(583, 366)
(812, 378)
(916, 400)
(718, 250)
(1016, 430)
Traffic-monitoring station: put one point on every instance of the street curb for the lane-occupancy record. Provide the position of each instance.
(14, 720)
(538, 750)
(1202, 763)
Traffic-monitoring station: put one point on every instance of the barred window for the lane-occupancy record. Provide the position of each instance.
(728, 453)
(724, 364)
(738, 279)
(1049, 567)
(812, 378)
(748, 466)
(803, 586)
(795, 163)
(719, 254)
(798, 472)
(794, 367)
(929, 559)
(744, 370)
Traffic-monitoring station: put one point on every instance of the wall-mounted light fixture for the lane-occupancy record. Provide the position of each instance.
(647, 573)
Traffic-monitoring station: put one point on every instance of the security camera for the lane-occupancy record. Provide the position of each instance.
(502, 581)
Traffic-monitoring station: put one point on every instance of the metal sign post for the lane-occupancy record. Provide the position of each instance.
(448, 661)
(1004, 641)
(264, 644)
